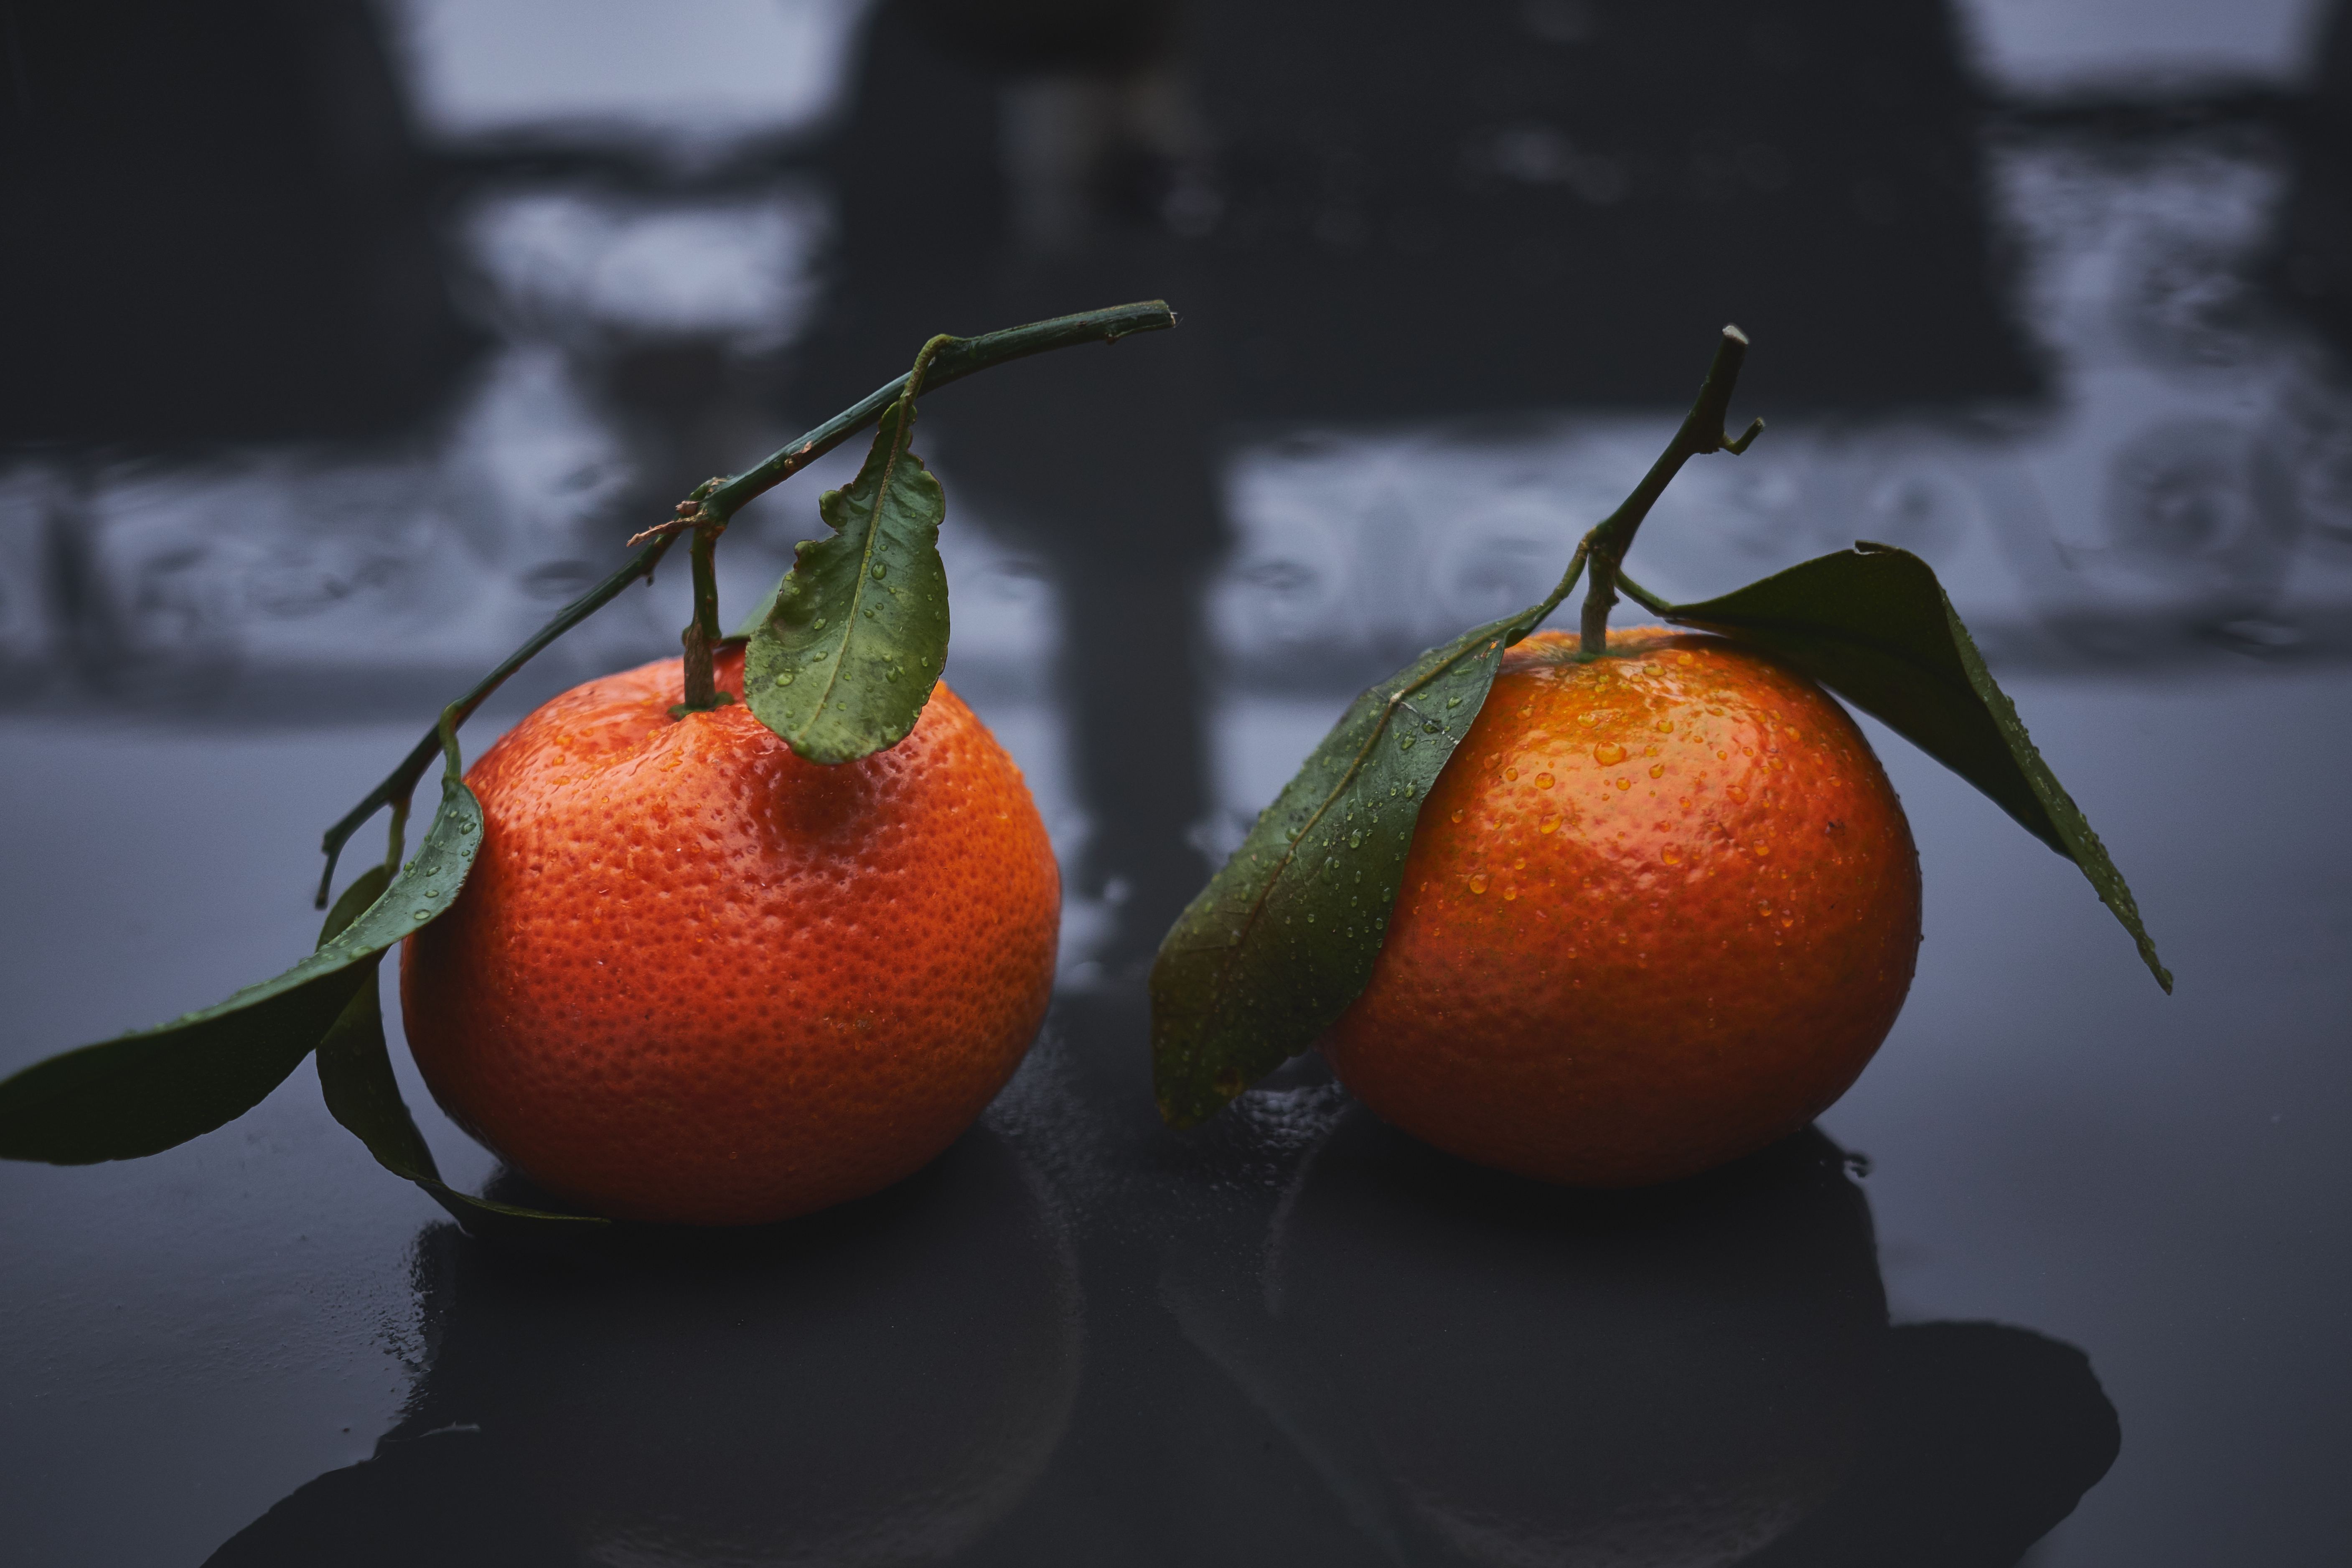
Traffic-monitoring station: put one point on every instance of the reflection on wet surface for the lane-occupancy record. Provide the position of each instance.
(880, 1384)
(417, 345)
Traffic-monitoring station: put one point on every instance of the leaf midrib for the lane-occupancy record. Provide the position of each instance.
(898, 446)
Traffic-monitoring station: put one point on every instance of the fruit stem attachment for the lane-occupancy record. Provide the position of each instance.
(1702, 432)
(701, 636)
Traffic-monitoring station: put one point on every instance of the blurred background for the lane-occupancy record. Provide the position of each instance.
(350, 339)
(343, 341)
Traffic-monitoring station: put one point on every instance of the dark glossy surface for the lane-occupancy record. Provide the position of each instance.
(2100, 1251)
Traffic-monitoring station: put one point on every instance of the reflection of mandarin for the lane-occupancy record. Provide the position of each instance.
(694, 978)
(1660, 909)
(1669, 1378)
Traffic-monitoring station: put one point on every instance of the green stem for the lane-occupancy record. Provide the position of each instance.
(1566, 586)
(1702, 431)
(950, 359)
(396, 840)
(398, 783)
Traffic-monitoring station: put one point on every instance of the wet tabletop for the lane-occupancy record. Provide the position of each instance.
(2063, 306)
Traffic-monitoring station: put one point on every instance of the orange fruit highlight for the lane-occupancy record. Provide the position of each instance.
(696, 979)
(1659, 911)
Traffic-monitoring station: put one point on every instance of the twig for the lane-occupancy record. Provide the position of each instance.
(1702, 432)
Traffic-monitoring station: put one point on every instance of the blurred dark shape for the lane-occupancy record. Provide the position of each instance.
(1370, 212)
(1691, 1374)
(1987, 1437)
(218, 228)
(1668, 1376)
(2315, 261)
(878, 1383)
(975, 177)
(1555, 202)
(1034, 36)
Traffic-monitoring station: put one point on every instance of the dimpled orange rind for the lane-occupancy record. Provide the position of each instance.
(693, 978)
(1660, 910)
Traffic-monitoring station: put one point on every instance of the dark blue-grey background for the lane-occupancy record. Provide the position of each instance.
(343, 341)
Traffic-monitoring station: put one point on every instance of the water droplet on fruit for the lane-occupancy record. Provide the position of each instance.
(1547, 825)
(1608, 753)
(1543, 781)
(1510, 772)
(1734, 794)
(1666, 726)
(1510, 894)
(1478, 884)
(1657, 770)
(1624, 783)
(1763, 909)
(1457, 816)
(1671, 856)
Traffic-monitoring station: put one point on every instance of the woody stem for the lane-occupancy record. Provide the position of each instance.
(701, 635)
(1702, 431)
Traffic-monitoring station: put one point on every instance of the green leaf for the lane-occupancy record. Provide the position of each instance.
(1873, 626)
(355, 1074)
(1283, 938)
(855, 639)
(146, 1092)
